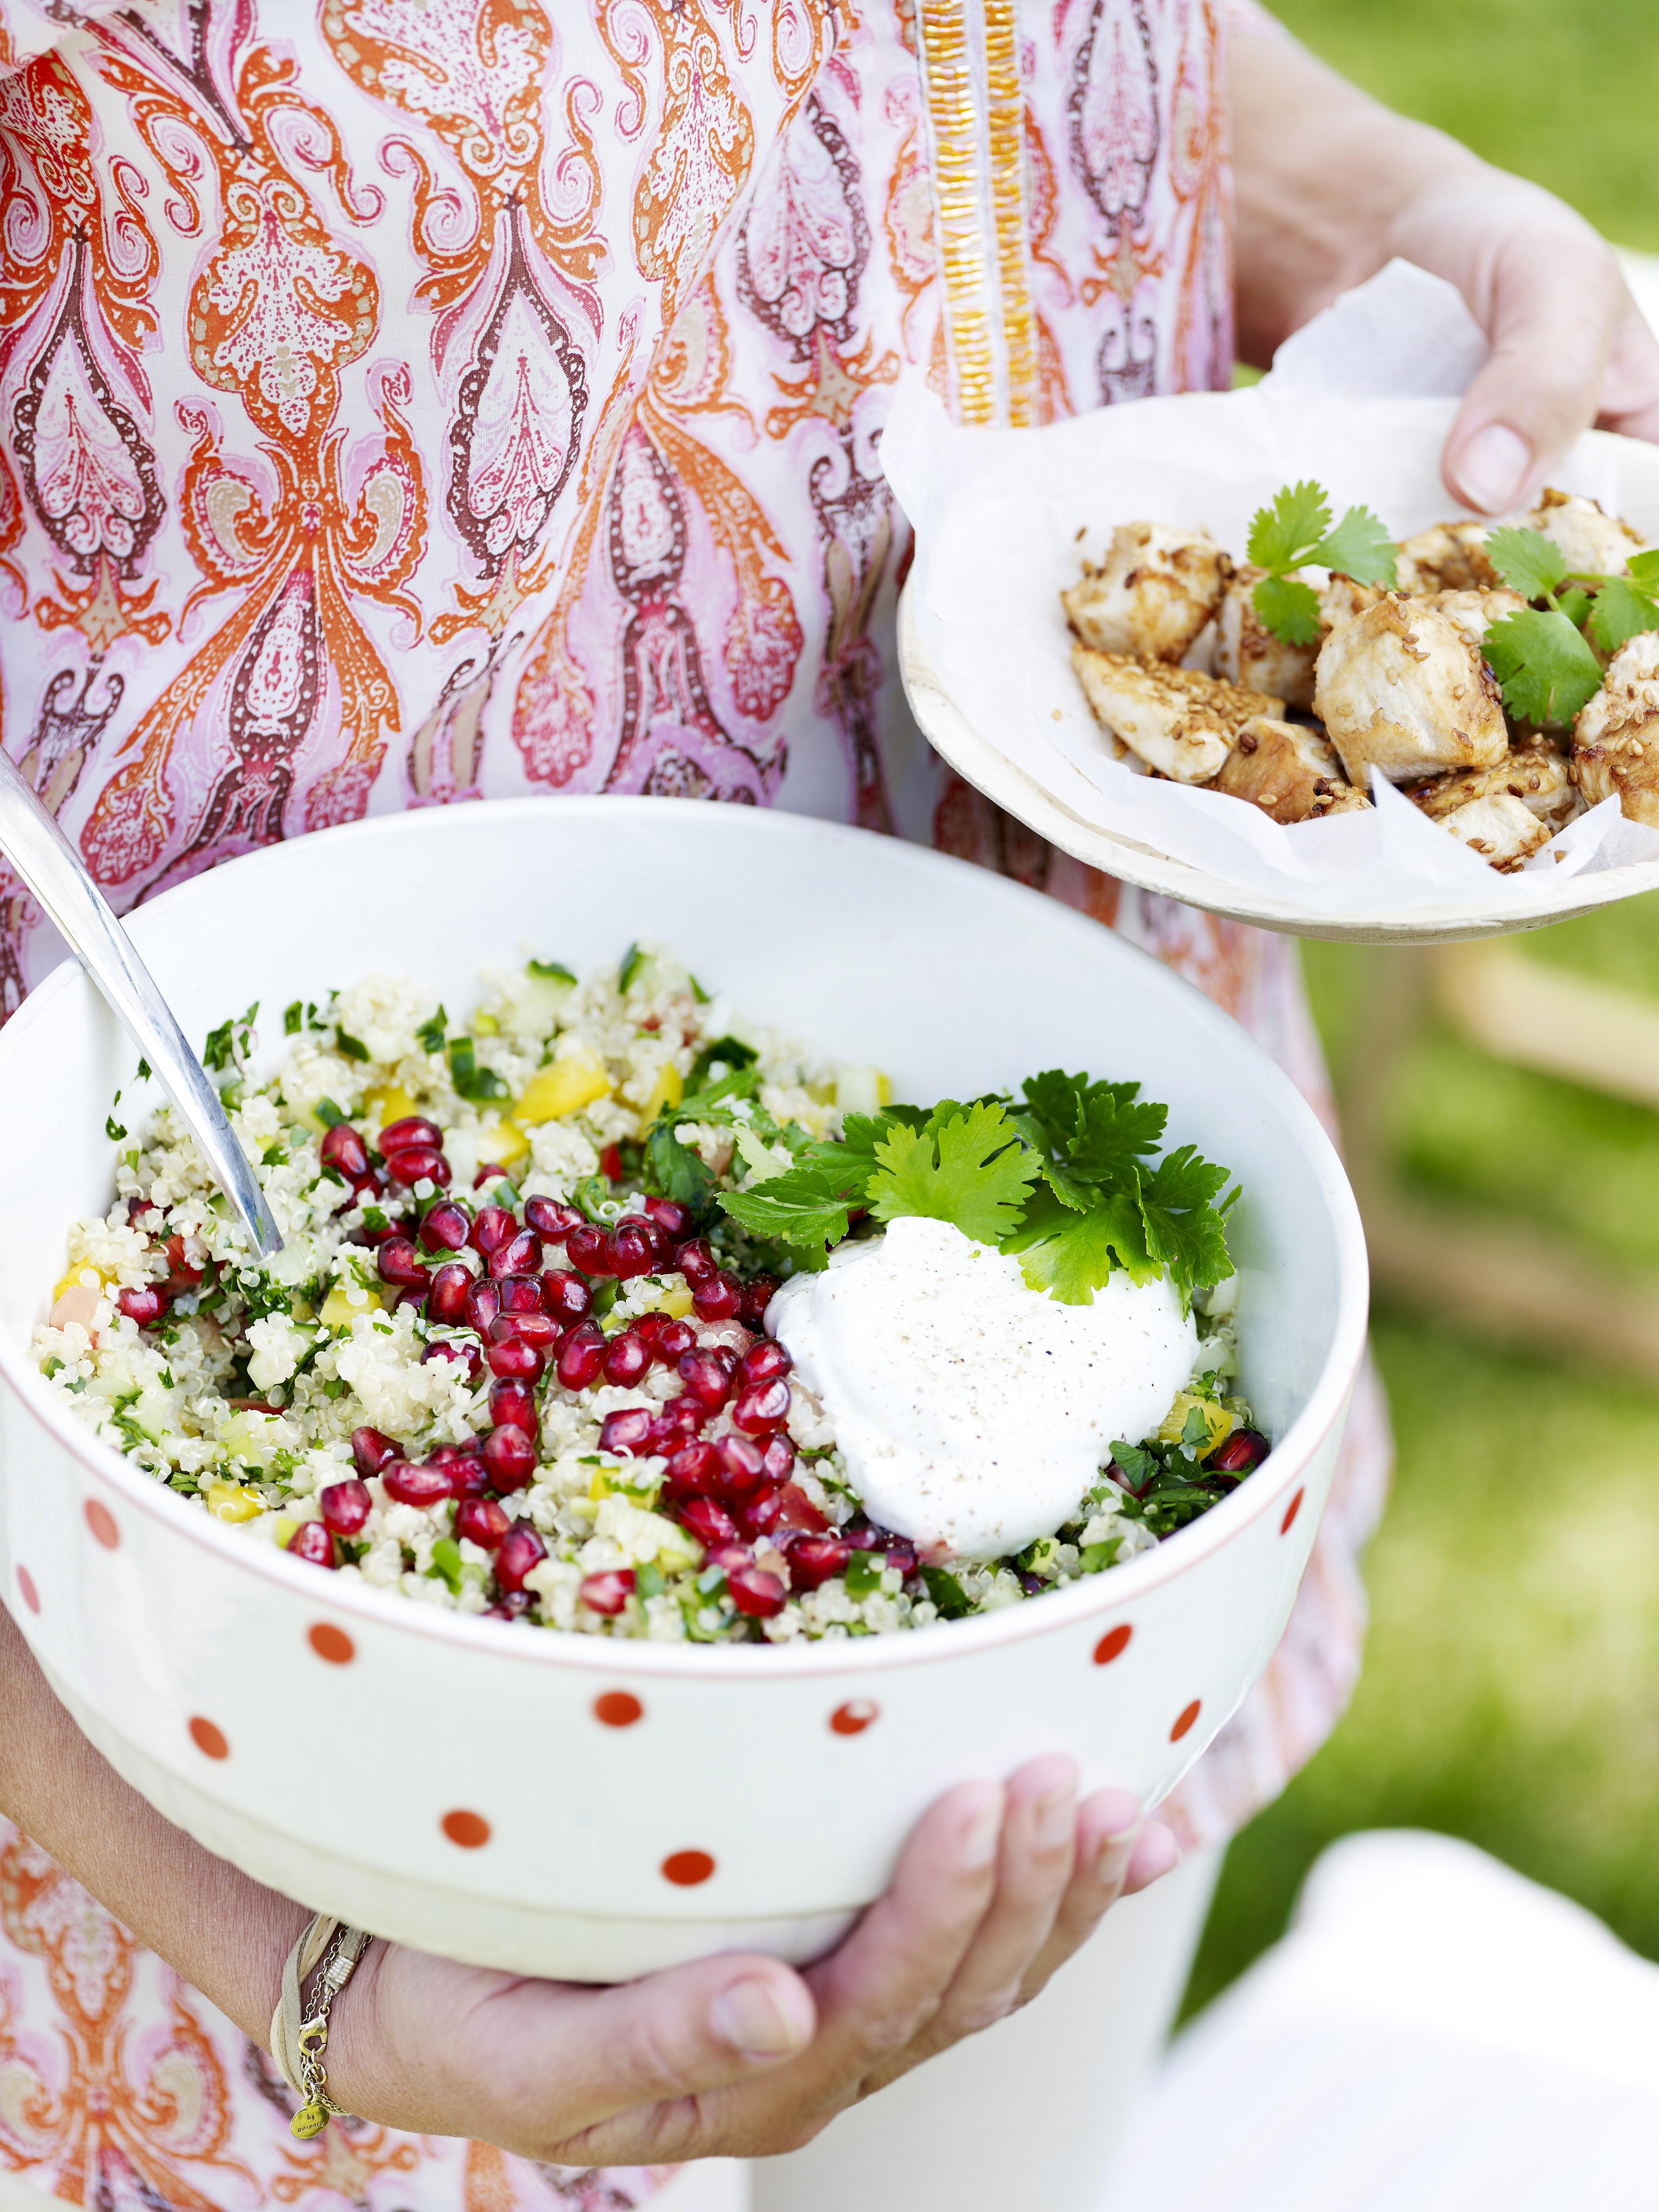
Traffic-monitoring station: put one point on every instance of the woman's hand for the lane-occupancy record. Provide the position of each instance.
(1331, 186)
(996, 1889)
(739, 2055)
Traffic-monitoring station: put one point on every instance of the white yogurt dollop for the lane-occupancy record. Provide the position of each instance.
(971, 1411)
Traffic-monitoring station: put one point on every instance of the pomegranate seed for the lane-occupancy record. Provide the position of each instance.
(902, 1555)
(515, 1403)
(413, 1129)
(146, 1307)
(585, 1247)
(341, 1148)
(452, 1354)
(762, 1408)
(683, 1413)
(759, 1515)
(674, 1340)
(745, 1463)
(412, 1483)
(719, 1298)
(631, 1251)
(491, 1171)
(627, 1359)
(757, 1295)
(493, 1228)
(727, 1556)
(696, 1469)
(420, 1164)
(446, 1293)
(446, 1228)
(181, 1276)
(648, 1326)
(520, 1294)
(371, 1450)
(311, 1541)
(798, 1511)
(565, 1295)
(626, 1433)
(1243, 1450)
(695, 1261)
(537, 1328)
(522, 1549)
(510, 1458)
(511, 1605)
(755, 1592)
(816, 1559)
(399, 1262)
(467, 1476)
(672, 1218)
(708, 1521)
(610, 1166)
(550, 1218)
(483, 1522)
(514, 1360)
(346, 1505)
(609, 1592)
(581, 1356)
(706, 1379)
(521, 1254)
(778, 1459)
(367, 1235)
(482, 1304)
(762, 1361)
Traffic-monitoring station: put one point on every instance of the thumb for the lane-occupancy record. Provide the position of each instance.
(1554, 304)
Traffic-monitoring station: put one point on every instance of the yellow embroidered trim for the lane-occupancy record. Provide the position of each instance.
(1007, 138)
(953, 115)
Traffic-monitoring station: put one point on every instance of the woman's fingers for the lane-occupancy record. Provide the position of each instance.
(1156, 1853)
(1108, 1825)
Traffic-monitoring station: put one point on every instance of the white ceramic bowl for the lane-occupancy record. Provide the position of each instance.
(565, 1805)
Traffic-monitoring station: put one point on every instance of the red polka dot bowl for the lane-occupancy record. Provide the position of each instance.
(563, 1804)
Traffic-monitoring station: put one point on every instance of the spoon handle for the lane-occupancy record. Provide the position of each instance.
(53, 872)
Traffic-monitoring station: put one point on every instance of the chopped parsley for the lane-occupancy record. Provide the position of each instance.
(552, 971)
(471, 1080)
(1540, 655)
(353, 1047)
(430, 1034)
(329, 1114)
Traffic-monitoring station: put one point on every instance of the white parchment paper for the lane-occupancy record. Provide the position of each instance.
(1002, 518)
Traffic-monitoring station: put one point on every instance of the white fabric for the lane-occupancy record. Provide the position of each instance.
(1437, 2034)
(1030, 2112)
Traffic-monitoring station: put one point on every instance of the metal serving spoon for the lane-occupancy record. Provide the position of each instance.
(54, 872)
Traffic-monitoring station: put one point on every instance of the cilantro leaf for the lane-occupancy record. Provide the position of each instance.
(1528, 561)
(1622, 610)
(1184, 1229)
(1546, 670)
(352, 1047)
(1077, 1258)
(471, 1080)
(971, 1171)
(1359, 547)
(1284, 536)
(729, 1050)
(1290, 609)
(1113, 1135)
(807, 1208)
(672, 1169)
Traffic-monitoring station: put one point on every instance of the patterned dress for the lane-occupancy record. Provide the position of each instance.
(404, 401)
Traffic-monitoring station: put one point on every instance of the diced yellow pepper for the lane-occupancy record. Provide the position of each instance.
(668, 1089)
(76, 1276)
(233, 1501)
(339, 1311)
(286, 1529)
(509, 1142)
(564, 1088)
(1218, 1421)
(485, 1025)
(608, 1482)
(394, 1103)
(675, 1303)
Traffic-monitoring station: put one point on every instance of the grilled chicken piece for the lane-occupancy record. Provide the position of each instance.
(1289, 771)
(1502, 830)
(1157, 590)
(1615, 740)
(1450, 557)
(1247, 653)
(1534, 773)
(1595, 543)
(1401, 688)
(1474, 612)
(1179, 722)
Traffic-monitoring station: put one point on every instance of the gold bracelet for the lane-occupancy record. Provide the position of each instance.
(299, 2034)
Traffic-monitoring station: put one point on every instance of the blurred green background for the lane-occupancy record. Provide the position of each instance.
(1512, 1686)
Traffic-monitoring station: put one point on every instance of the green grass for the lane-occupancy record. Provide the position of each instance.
(1511, 1691)
(1561, 90)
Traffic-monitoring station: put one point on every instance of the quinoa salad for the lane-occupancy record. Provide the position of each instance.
(607, 1310)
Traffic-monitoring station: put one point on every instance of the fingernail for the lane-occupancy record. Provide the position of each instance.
(981, 1832)
(1492, 467)
(748, 2016)
(1054, 1816)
